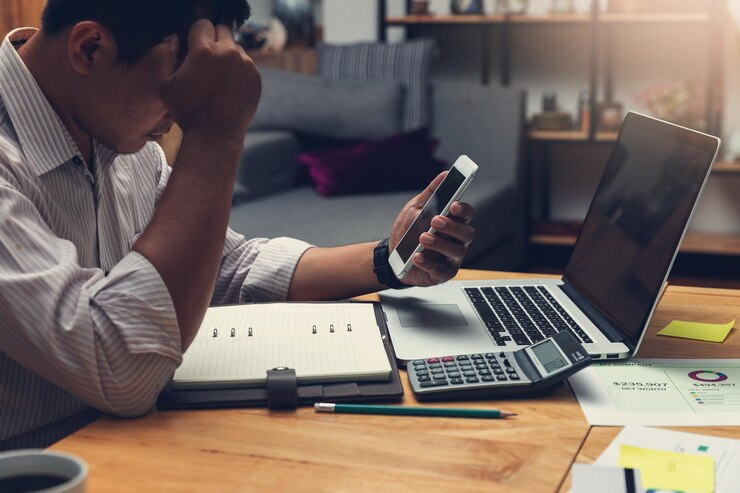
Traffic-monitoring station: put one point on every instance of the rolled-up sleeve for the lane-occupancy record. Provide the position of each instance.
(252, 270)
(112, 340)
(257, 270)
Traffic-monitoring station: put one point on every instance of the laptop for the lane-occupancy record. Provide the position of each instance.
(615, 275)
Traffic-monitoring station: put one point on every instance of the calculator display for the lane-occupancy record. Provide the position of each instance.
(549, 356)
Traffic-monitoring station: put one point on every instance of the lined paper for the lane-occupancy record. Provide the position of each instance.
(283, 335)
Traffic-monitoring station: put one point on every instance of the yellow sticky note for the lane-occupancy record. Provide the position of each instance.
(699, 331)
(672, 471)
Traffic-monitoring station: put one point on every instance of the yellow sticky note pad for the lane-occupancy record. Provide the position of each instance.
(672, 471)
(699, 331)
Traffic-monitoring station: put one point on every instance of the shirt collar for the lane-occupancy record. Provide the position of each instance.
(45, 141)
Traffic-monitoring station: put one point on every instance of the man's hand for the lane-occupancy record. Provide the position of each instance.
(215, 91)
(444, 251)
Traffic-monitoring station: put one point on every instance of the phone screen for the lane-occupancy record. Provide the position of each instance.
(434, 207)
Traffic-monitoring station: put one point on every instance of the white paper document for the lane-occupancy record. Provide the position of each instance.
(660, 392)
(724, 451)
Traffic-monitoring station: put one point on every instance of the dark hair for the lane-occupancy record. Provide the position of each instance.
(139, 25)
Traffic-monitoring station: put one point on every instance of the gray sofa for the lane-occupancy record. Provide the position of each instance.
(486, 123)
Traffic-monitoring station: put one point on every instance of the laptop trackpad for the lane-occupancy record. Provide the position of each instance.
(430, 315)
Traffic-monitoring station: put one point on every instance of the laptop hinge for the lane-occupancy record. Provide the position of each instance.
(607, 327)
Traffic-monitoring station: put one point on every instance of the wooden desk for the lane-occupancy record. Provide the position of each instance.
(258, 450)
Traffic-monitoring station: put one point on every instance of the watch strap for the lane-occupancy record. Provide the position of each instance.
(382, 268)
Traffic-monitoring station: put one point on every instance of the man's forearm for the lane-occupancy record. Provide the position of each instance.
(184, 240)
(334, 273)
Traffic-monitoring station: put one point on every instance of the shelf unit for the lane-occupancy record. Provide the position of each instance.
(698, 243)
(601, 28)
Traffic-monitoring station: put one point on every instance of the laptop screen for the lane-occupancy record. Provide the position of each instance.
(634, 224)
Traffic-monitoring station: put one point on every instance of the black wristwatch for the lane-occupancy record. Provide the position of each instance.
(383, 270)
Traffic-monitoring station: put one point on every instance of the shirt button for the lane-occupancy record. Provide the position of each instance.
(77, 160)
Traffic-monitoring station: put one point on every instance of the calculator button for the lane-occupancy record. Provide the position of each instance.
(423, 378)
(436, 383)
(477, 355)
(514, 376)
(484, 372)
(419, 362)
(500, 377)
(481, 367)
(448, 358)
(438, 371)
(450, 364)
(462, 358)
(453, 375)
(469, 373)
(433, 360)
(487, 378)
(456, 381)
(490, 355)
(466, 367)
(422, 373)
(502, 354)
(437, 378)
(471, 380)
(435, 366)
(507, 364)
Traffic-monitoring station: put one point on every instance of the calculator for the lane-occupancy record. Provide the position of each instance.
(528, 371)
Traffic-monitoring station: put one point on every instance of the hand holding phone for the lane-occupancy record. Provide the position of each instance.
(450, 190)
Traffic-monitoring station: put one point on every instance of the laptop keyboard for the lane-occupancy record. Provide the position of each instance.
(524, 315)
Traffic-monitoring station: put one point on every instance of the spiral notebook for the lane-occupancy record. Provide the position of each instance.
(322, 342)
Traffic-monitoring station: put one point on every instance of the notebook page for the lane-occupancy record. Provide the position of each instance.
(323, 342)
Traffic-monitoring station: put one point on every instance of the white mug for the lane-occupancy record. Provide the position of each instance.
(40, 471)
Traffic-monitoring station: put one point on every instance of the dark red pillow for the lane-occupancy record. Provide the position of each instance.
(401, 162)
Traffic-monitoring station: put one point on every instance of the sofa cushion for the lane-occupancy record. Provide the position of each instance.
(410, 62)
(268, 165)
(304, 214)
(401, 162)
(343, 109)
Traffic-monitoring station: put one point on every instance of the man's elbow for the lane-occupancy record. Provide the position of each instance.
(135, 393)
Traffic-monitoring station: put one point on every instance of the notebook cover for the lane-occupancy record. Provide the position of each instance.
(307, 394)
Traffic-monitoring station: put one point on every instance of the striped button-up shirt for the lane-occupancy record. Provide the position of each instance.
(85, 321)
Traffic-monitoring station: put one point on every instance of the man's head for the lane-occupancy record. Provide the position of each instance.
(105, 47)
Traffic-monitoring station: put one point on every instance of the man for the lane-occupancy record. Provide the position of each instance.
(109, 259)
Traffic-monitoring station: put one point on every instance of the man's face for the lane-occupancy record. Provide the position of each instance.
(125, 110)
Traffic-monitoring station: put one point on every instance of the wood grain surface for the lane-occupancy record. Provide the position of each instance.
(258, 450)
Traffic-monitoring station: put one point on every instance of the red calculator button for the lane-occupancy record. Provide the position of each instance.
(448, 358)
(433, 360)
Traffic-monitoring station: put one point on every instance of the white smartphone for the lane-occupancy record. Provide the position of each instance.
(450, 190)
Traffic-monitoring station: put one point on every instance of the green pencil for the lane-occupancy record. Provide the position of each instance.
(326, 407)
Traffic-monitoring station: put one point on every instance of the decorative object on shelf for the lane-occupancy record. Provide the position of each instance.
(681, 102)
(469, 7)
(655, 6)
(276, 37)
(419, 7)
(732, 148)
(562, 7)
(253, 34)
(610, 117)
(549, 101)
(517, 7)
(552, 121)
(584, 111)
(297, 17)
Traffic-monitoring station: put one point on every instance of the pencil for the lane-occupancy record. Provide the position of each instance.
(446, 412)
